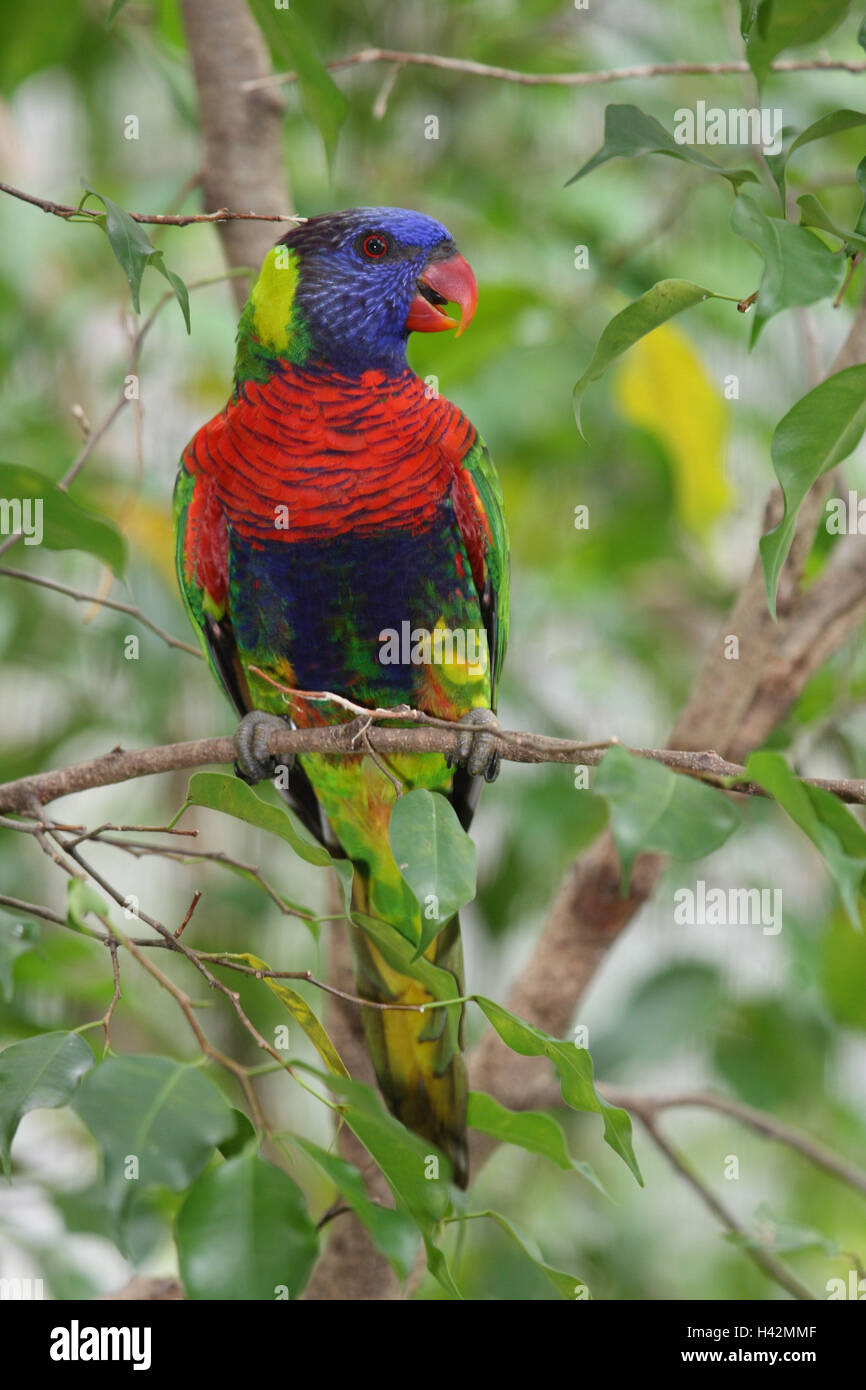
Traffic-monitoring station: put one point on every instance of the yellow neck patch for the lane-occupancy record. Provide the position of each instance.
(272, 299)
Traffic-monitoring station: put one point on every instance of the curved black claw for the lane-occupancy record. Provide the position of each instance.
(475, 751)
(254, 762)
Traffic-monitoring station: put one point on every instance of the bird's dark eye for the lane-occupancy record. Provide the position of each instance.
(374, 246)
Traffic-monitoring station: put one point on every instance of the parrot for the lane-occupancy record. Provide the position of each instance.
(335, 507)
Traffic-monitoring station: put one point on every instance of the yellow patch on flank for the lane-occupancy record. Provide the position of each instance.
(464, 657)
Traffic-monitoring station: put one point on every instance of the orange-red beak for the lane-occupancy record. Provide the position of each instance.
(443, 282)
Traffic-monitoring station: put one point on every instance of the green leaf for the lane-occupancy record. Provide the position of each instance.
(820, 430)
(392, 1231)
(748, 15)
(773, 1050)
(130, 243)
(439, 1268)
(566, 1285)
(842, 949)
(814, 214)
(574, 1068)
(405, 1160)
(798, 268)
(834, 832)
(16, 939)
(64, 524)
(421, 1187)
(242, 1136)
(401, 955)
(771, 26)
(303, 1014)
(290, 43)
(221, 791)
(134, 252)
(38, 1074)
(116, 7)
(629, 132)
(244, 1233)
(831, 124)
(82, 899)
(402, 1155)
(653, 808)
(780, 1237)
(435, 857)
(181, 293)
(860, 175)
(673, 1009)
(529, 1129)
(835, 121)
(660, 303)
(163, 1114)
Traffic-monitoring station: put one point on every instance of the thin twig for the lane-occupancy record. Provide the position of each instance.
(112, 942)
(190, 910)
(757, 1120)
(336, 1210)
(186, 1005)
(554, 79)
(843, 288)
(47, 914)
(187, 855)
(179, 945)
(382, 766)
(137, 829)
(118, 607)
(224, 958)
(772, 1267)
(78, 413)
(159, 219)
(94, 435)
(380, 105)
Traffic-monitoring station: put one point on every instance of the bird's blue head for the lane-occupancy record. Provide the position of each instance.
(346, 289)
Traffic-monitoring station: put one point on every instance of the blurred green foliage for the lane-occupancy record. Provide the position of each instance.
(609, 624)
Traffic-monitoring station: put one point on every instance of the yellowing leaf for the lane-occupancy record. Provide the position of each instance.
(147, 525)
(148, 528)
(663, 387)
(303, 1014)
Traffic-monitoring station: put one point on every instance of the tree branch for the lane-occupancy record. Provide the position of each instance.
(431, 736)
(554, 79)
(159, 219)
(758, 1120)
(128, 608)
(242, 131)
(765, 1261)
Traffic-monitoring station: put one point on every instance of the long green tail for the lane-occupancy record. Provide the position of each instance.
(417, 1057)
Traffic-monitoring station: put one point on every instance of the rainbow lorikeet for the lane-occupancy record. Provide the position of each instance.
(335, 500)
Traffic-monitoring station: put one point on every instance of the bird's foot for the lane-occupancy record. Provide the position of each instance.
(254, 762)
(475, 752)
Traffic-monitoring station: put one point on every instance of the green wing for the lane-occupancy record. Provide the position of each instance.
(494, 595)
